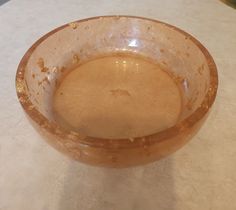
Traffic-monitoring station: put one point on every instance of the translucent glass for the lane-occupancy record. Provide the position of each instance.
(64, 48)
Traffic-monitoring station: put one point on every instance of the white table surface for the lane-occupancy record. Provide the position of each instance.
(200, 176)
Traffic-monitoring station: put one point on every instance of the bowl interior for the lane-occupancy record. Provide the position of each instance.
(55, 54)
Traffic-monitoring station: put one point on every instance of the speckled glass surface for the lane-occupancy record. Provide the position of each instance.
(52, 56)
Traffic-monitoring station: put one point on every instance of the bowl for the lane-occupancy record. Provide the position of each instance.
(131, 114)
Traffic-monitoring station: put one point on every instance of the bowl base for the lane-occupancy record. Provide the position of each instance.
(117, 96)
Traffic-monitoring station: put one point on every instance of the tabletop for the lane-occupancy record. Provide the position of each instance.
(201, 175)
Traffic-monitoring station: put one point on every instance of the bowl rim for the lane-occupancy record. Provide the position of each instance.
(61, 132)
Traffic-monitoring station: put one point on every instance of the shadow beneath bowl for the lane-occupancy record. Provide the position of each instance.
(148, 187)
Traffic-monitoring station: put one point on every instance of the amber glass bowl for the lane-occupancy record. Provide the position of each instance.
(58, 51)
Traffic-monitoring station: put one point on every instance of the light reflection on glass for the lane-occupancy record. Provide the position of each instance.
(123, 65)
(133, 43)
(185, 84)
(137, 67)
